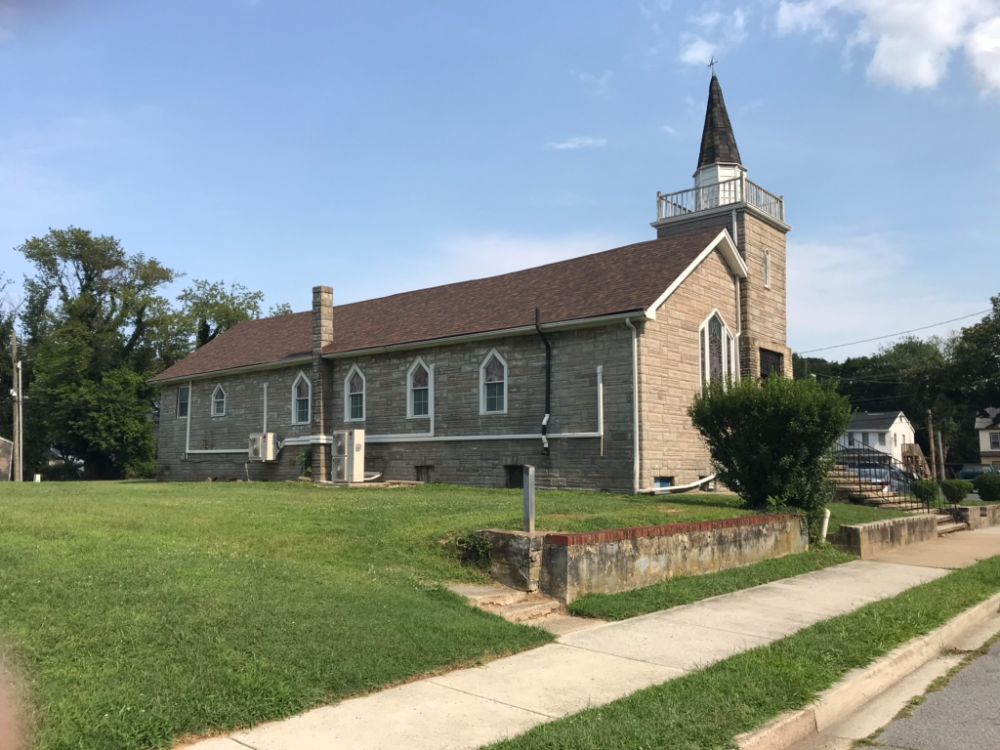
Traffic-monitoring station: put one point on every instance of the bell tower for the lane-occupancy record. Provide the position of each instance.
(723, 196)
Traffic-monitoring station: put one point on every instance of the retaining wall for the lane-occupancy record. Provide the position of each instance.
(868, 539)
(977, 516)
(568, 566)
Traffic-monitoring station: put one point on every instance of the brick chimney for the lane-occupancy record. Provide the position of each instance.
(322, 334)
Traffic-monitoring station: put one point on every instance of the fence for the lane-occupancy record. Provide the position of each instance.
(866, 474)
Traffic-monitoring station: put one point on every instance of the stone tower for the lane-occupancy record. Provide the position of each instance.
(724, 197)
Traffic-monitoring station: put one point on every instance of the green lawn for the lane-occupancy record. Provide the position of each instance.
(687, 589)
(847, 514)
(139, 613)
(705, 710)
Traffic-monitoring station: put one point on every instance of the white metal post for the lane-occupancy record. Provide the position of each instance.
(529, 498)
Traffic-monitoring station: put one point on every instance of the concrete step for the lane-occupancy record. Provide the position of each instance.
(534, 607)
(950, 527)
(484, 595)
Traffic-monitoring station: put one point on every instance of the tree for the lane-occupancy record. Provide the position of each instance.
(976, 360)
(6, 368)
(209, 308)
(771, 441)
(282, 308)
(90, 318)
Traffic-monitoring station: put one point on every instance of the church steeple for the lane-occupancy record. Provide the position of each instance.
(718, 144)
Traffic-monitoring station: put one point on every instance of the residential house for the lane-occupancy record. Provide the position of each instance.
(584, 368)
(988, 427)
(886, 431)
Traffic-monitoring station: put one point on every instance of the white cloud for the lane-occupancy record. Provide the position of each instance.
(598, 83)
(718, 32)
(845, 289)
(579, 141)
(669, 130)
(911, 41)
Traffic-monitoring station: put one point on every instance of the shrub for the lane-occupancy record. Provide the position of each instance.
(956, 490)
(926, 491)
(306, 462)
(988, 486)
(771, 440)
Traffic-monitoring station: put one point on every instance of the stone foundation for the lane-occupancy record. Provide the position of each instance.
(868, 539)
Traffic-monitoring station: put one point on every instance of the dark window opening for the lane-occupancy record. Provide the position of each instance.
(515, 477)
(663, 482)
(771, 363)
(425, 473)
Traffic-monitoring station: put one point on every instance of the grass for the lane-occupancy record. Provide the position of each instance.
(136, 614)
(688, 589)
(847, 514)
(705, 710)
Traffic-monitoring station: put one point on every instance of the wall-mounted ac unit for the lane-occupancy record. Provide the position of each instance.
(348, 451)
(263, 446)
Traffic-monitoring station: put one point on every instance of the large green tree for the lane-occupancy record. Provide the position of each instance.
(91, 317)
(209, 308)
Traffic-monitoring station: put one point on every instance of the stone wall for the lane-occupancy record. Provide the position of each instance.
(605, 562)
(670, 373)
(231, 432)
(977, 516)
(868, 539)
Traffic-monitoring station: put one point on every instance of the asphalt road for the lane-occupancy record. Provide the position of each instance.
(965, 715)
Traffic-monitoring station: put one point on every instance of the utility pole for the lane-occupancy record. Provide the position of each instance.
(17, 457)
(940, 450)
(930, 439)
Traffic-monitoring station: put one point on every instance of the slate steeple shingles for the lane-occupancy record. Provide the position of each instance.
(718, 144)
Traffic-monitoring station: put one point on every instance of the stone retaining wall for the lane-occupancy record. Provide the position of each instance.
(977, 516)
(568, 566)
(868, 539)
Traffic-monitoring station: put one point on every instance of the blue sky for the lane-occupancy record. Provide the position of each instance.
(383, 147)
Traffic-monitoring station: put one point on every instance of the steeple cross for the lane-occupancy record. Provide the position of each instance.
(712, 63)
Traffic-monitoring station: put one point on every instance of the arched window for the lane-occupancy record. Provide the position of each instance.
(493, 384)
(354, 396)
(767, 269)
(219, 401)
(718, 350)
(418, 390)
(301, 400)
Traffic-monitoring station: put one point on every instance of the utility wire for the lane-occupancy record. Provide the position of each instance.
(899, 333)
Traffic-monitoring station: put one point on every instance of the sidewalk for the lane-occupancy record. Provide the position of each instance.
(469, 708)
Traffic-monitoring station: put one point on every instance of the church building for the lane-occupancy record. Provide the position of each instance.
(584, 368)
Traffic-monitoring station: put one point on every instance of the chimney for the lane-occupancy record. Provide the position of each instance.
(322, 327)
(322, 334)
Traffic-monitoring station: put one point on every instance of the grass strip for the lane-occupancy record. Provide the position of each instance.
(688, 589)
(848, 514)
(706, 710)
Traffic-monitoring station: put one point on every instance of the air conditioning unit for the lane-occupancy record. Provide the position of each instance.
(348, 451)
(263, 446)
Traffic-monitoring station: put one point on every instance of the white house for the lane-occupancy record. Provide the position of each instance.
(988, 426)
(885, 431)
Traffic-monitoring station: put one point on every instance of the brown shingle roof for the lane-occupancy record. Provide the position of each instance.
(626, 279)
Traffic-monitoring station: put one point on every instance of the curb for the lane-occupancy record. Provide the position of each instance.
(859, 686)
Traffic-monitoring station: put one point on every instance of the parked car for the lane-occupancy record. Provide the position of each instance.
(971, 471)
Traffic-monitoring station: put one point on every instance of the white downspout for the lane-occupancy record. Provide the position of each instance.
(635, 405)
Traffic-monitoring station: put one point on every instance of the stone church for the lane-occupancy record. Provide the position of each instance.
(584, 368)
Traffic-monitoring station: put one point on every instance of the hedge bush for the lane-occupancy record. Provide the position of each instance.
(956, 490)
(988, 486)
(926, 491)
(771, 440)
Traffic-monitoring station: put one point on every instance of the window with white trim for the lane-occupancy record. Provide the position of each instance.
(301, 400)
(493, 384)
(219, 401)
(183, 401)
(767, 269)
(418, 390)
(354, 396)
(995, 441)
(718, 350)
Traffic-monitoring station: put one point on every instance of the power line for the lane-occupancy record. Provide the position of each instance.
(898, 333)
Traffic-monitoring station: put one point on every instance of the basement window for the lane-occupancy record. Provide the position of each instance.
(425, 473)
(514, 476)
(663, 482)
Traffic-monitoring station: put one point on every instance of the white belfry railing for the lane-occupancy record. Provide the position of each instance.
(736, 190)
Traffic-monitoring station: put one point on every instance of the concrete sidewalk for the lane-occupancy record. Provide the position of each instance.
(469, 708)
